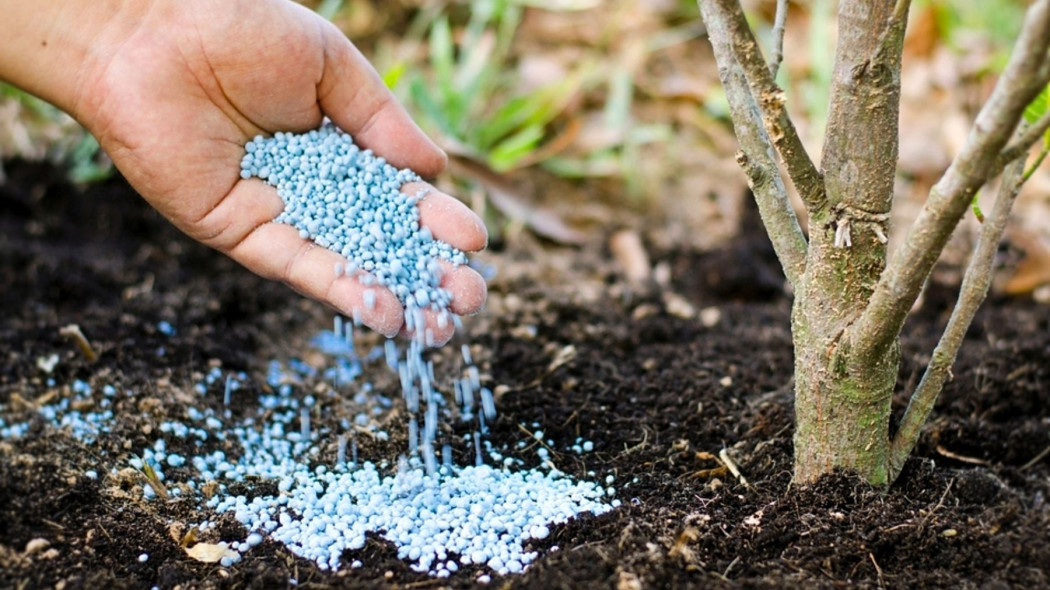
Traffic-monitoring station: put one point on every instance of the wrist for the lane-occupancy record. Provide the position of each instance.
(54, 49)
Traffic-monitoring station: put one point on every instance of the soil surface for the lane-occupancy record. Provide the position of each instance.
(663, 379)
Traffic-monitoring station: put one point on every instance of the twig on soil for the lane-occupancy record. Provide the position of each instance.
(732, 466)
(1035, 460)
(639, 446)
(74, 333)
(940, 504)
(878, 570)
(725, 574)
(960, 458)
(784, 389)
(562, 357)
(896, 527)
(539, 442)
(54, 525)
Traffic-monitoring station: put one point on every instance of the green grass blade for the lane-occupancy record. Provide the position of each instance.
(507, 153)
(442, 60)
(419, 92)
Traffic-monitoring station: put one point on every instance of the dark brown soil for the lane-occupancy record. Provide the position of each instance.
(660, 396)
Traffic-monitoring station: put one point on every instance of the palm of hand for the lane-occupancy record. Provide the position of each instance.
(174, 104)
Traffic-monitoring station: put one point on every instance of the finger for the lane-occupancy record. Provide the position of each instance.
(448, 218)
(468, 296)
(467, 287)
(353, 96)
(241, 226)
(275, 250)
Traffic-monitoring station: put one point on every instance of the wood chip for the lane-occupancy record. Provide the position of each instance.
(210, 552)
(627, 248)
(628, 581)
(36, 545)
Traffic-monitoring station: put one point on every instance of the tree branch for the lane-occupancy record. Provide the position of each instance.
(862, 136)
(740, 43)
(974, 289)
(1038, 162)
(900, 10)
(880, 324)
(779, 27)
(756, 157)
(1020, 146)
(897, 18)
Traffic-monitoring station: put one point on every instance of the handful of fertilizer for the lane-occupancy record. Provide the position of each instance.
(349, 200)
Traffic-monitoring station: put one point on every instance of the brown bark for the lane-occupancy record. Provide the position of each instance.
(842, 410)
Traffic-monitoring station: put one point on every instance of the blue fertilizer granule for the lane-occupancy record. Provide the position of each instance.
(349, 200)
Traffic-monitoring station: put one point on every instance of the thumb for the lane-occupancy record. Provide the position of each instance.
(354, 97)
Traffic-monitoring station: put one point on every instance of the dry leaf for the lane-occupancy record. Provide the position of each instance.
(564, 355)
(175, 530)
(504, 197)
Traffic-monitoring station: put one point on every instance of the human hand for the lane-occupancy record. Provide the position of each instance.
(174, 91)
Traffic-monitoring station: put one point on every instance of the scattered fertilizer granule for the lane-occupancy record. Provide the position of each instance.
(481, 519)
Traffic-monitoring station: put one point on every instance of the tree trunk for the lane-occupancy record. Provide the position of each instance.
(842, 410)
(842, 405)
